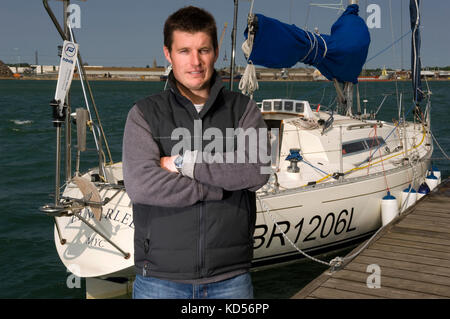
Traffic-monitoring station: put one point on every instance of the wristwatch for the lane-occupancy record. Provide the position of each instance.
(178, 163)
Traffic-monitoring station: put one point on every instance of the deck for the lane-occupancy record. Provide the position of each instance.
(408, 259)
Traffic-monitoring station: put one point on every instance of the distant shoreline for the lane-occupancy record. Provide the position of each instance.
(151, 80)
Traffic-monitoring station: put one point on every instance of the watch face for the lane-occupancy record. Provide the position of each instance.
(178, 161)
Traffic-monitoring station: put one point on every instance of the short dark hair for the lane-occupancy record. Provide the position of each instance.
(190, 19)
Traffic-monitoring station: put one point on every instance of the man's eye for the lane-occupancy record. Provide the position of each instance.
(204, 51)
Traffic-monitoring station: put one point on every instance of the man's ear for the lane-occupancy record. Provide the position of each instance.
(167, 54)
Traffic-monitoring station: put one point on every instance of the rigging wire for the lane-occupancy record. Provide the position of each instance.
(375, 139)
(440, 147)
(84, 90)
(388, 47)
(96, 139)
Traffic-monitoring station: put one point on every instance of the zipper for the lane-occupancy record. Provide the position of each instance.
(201, 261)
(145, 270)
(201, 244)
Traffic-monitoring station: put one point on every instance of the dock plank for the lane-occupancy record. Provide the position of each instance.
(329, 293)
(426, 227)
(429, 213)
(420, 220)
(417, 239)
(421, 232)
(395, 256)
(413, 244)
(441, 207)
(406, 265)
(433, 220)
(413, 286)
(404, 274)
(384, 292)
(413, 253)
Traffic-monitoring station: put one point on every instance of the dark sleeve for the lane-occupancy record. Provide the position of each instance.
(245, 168)
(145, 181)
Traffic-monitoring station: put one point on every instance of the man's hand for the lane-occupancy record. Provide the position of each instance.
(168, 164)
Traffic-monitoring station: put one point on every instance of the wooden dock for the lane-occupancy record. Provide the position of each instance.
(412, 254)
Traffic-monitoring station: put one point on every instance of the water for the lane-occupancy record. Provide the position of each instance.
(29, 264)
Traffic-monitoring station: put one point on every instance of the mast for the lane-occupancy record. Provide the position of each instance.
(68, 131)
(233, 43)
(415, 51)
(66, 34)
(345, 93)
(82, 71)
(401, 32)
(348, 86)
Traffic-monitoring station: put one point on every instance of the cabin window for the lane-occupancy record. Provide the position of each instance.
(354, 147)
(375, 142)
(299, 107)
(288, 106)
(267, 106)
(277, 105)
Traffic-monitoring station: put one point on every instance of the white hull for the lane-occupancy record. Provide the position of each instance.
(86, 253)
(326, 216)
(316, 217)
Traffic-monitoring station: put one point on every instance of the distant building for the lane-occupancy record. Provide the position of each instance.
(124, 72)
(444, 75)
(45, 69)
(20, 69)
(293, 74)
(5, 71)
(402, 74)
(427, 74)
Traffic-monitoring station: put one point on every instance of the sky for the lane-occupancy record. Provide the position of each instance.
(129, 33)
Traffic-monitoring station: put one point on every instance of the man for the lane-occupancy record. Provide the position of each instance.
(194, 207)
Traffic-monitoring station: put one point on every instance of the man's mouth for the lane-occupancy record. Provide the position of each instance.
(195, 73)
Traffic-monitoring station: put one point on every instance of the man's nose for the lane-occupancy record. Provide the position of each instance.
(195, 58)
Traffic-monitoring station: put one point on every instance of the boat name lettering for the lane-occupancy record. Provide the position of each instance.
(111, 214)
(332, 223)
(95, 242)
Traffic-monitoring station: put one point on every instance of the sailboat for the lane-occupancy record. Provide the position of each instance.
(331, 167)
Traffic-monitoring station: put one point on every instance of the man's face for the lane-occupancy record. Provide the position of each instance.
(192, 58)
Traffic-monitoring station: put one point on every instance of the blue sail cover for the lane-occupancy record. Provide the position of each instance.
(340, 55)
